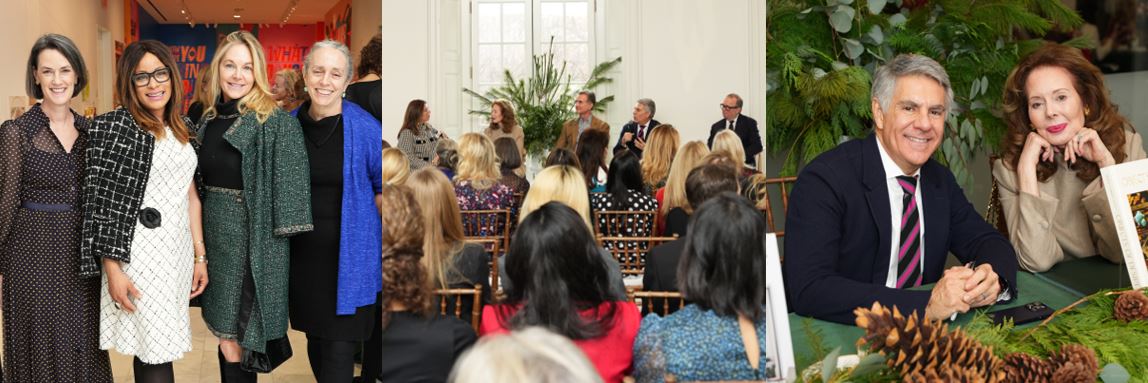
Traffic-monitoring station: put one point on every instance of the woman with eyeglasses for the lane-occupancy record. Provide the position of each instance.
(143, 214)
(51, 295)
(256, 193)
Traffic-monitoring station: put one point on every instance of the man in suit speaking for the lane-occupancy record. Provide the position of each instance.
(874, 217)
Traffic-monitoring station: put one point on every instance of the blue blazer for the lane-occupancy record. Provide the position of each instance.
(838, 234)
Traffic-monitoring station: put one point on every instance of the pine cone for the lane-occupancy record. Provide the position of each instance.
(1025, 368)
(944, 374)
(1073, 372)
(916, 346)
(1131, 305)
(1079, 356)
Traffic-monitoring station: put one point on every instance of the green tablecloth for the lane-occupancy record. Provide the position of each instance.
(1086, 276)
(1032, 288)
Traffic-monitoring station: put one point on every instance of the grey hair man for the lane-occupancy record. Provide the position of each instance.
(635, 132)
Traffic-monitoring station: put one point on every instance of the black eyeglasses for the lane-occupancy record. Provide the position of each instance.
(160, 75)
(727, 107)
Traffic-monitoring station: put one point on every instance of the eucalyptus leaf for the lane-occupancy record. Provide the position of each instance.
(844, 2)
(829, 365)
(897, 20)
(1114, 373)
(868, 365)
(876, 34)
(841, 18)
(837, 65)
(875, 6)
(853, 48)
(984, 84)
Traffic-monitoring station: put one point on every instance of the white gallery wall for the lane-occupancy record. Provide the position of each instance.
(684, 54)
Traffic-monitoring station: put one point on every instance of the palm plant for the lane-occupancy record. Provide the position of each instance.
(542, 102)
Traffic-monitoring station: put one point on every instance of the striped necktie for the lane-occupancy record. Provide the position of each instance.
(909, 251)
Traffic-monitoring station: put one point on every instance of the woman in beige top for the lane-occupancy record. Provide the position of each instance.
(1062, 131)
(504, 124)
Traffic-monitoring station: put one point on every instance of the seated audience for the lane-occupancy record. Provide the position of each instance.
(450, 261)
(858, 230)
(673, 195)
(703, 183)
(591, 151)
(720, 335)
(727, 140)
(659, 153)
(533, 355)
(562, 283)
(418, 344)
(509, 161)
(478, 181)
(396, 168)
(446, 157)
(1062, 130)
(677, 218)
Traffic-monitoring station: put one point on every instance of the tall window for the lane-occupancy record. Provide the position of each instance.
(507, 33)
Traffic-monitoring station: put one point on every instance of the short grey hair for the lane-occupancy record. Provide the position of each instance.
(909, 65)
(649, 105)
(328, 43)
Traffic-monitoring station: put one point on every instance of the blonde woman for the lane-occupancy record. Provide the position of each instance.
(660, 151)
(247, 144)
(533, 355)
(450, 261)
(503, 123)
(674, 193)
(477, 179)
(727, 140)
(396, 167)
(288, 89)
(564, 184)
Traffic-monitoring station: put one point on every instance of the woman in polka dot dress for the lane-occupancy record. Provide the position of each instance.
(51, 298)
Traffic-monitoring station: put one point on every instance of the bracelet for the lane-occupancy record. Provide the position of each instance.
(201, 259)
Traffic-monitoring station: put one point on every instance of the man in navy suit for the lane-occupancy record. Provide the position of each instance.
(873, 218)
(745, 127)
(635, 132)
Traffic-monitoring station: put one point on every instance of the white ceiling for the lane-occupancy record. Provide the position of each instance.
(252, 11)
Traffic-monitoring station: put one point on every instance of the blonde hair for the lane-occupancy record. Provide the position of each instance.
(396, 167)
(688, 158)
(435, 195)
(477, 161)
(294, 88)
(531, 355)
(563, 184)
(728, 140)
(259, 98)
(660, 151)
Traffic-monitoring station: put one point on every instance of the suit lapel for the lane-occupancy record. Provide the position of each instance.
(877, 194)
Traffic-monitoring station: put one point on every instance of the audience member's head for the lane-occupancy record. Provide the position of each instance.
(591, 150)
(532, 355)
(443, 237)
(477, 161)
(502, 116)
(558, 183)
(728, 141)
(446, 154)
(404, 279)
(707, 181)
(557, 271)
(371, 57)
(688, 158)
(755, 190)
(396, 167)
(723, 263)
(508, 156)
(720, 157)
(561, 157)
(625, 174)
(659, 153)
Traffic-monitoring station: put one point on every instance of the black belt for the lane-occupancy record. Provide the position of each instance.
(52, 207)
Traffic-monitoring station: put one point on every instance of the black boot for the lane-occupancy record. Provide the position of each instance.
(152, 373)
(231, 372)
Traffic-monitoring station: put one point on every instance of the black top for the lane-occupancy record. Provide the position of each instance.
(677, 222)
(661, 273)
(314, 272)
(221, 164)
(194, 112)
(417, 349)
(369, 96)
(472, 267)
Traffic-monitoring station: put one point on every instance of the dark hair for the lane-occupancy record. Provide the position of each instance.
(723, 262)
(561, 157)
(625, 174)
(709, 180)
(557, 272)
(414, 113)
(67, 48)
(371, 56)
(404, 276)
(591, 150)
(508, 156)
(589, 96)
(126, 89)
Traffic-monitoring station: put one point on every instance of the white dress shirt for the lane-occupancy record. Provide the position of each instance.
(896, 194)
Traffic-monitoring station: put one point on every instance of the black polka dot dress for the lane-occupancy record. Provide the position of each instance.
(51, 314)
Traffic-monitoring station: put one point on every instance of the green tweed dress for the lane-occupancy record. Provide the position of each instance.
(254, 225)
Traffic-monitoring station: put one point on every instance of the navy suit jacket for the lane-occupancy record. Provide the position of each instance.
(746, 129)
(838, 235)
(632, 127)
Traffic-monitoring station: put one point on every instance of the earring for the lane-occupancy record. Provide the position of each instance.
(1087, 112)
(304, 88)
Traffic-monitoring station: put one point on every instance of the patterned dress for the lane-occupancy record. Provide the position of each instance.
(634, 200)
(161, 265)
(695, 344)
(51, 314)
(496, 197)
